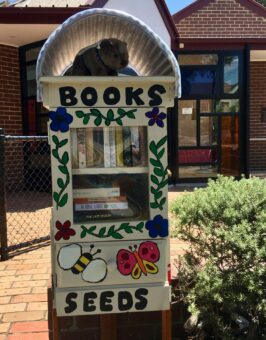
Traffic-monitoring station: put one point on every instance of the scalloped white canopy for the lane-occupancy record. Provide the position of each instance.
(148, 54)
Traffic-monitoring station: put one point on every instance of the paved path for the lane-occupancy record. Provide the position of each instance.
(23, 296)
(23, 292)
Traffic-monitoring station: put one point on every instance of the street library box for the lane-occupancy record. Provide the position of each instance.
(109, 229)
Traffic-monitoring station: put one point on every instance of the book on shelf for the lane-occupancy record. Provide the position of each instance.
(127, 152)
(109, 147)
(74, 148)
(119, 146)
(112, 147)
(98, 147)
(96, 192)
(89, 148)
(81, 148)
(95, 204)
(143, 146)
(106, 146)
(135, 146)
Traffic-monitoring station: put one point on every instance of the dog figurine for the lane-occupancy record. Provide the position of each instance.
(102, 59)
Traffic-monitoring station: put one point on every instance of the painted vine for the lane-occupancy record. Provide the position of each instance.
(159, 177)
(112, 232)
(60, 197)
(110, 116)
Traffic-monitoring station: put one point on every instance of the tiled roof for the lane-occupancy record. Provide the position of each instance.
(52, 3)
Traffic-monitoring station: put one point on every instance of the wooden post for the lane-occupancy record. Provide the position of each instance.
(166, 325)
(108, 326)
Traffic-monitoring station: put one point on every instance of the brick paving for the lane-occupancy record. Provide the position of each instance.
(23, 292)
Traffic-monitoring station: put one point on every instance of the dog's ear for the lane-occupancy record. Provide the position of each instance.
(105, 45)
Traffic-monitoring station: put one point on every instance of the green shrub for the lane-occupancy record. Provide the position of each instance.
(222, 276)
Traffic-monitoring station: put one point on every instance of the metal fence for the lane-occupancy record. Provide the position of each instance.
(25, 192)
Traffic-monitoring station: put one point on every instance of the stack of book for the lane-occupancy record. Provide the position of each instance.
(98, 202)
(109, 147)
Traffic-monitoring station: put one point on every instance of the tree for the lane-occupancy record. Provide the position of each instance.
(262, 2)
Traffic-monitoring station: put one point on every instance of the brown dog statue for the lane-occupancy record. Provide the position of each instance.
(102, 59)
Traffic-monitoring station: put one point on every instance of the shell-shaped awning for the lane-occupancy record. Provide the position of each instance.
(148, 54)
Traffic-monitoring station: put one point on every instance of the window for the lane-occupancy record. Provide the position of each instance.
(35, 115)
(198, 59)
(231, 74)
(198, 81)
(187, 123)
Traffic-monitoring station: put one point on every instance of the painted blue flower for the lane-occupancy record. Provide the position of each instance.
(156, 117)
(157, 227)
(60, 119)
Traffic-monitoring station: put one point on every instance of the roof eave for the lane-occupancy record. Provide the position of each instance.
(42, 15)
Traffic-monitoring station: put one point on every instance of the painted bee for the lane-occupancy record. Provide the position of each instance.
(92, 270)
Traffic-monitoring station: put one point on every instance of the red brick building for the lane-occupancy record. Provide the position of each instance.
(219, 123)
(222, 111)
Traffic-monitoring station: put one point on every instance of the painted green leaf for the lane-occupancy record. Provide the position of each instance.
(161, 153)
(154, 162)
(163, 184)
(121, 111)
(107, 122)
(153, 190)
(62, 143)
(153, 148)
(55, 153)
(161, 142)
(127, 228)
(60, 183)
(163, 200)
(102, 232)
(110, 115)
(56, 197)
(91, 229)
(83, 233)
(154, 205)
(65, 158)
(119, 121)
(98, 121)
(158, 172)
(55, 140)
(63, 200)
(86, 119)
(140, 226)
(158, 195)
(117, 236)
(95, 112)
(63, 169)
(79, 114)
(130, 114)
(154, 179)
(111, 230)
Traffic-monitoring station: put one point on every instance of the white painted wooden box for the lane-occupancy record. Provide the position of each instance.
(109, 229)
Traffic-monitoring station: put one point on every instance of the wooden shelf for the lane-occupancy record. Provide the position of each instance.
(110, 171)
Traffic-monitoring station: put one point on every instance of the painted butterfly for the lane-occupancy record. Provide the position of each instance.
(136, 262)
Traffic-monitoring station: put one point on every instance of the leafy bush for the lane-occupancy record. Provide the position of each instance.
(222, 276)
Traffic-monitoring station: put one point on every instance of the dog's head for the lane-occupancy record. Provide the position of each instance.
(114, 53)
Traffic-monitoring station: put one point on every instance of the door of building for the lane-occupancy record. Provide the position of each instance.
(208, 121)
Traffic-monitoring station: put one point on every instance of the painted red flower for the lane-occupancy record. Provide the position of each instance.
(64, 230)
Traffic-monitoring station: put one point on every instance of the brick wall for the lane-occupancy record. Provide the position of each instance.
(222, 19)
(257, 128)
(10, 92)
